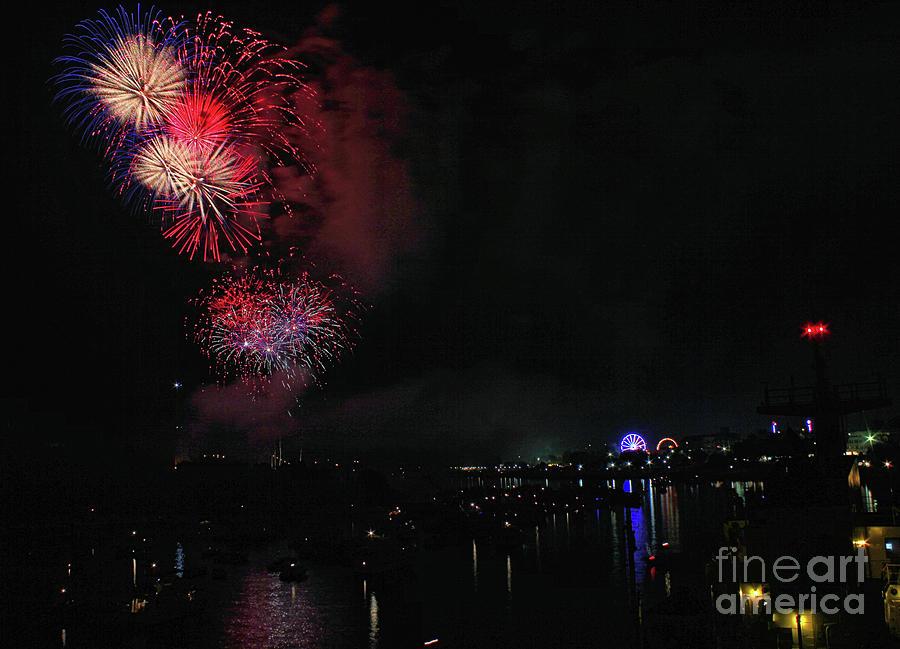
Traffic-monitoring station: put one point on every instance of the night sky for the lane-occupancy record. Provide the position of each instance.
(579, 221)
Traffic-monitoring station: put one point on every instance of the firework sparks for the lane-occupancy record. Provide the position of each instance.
(123, 76)
(258, 324)
(137, 81)
(243, 80)
(200, 120)
(192, 114)
(203, 190)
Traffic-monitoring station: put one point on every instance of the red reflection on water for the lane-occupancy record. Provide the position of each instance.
(270, 614)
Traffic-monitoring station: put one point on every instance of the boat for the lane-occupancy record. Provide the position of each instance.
(293, 572)
(664, 556)
(280, 564)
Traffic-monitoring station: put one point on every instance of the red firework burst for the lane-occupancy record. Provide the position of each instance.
(200, 119)
(207, 108)
(258, 324)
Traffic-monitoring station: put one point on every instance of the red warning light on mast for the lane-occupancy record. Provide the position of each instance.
(815, 330)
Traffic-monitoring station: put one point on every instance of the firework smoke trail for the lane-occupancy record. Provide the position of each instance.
(193, 115)
(258, 324)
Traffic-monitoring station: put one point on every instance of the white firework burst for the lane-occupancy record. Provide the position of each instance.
(138, 81)
(121, 73)
(205, 191)
(209, 180)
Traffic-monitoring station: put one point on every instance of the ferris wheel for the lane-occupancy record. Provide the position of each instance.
(633, 442)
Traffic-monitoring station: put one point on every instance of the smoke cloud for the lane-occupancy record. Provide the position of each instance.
(356, 215)
(240, 413)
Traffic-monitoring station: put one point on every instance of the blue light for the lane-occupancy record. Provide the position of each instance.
(632, 442)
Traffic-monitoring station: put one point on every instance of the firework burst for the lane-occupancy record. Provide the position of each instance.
(258, 324)
(200, 120)
(244, 81)
(193, 114)
(202, 191)
(122, 77)
(138, 82)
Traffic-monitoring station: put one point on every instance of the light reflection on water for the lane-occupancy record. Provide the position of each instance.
(571, 582)
(270, 614)
(474, 565)
(373, 621)
(570, 577)
(179, 560)
(869, 501)
(585, 549)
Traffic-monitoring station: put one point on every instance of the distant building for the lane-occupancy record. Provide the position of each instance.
(861, 441)
(720, 442)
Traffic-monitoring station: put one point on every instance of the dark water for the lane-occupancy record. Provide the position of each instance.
(329, 609)
(567, 585)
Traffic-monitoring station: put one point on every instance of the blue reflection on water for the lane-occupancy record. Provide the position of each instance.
(179, 560)
(568, 584)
